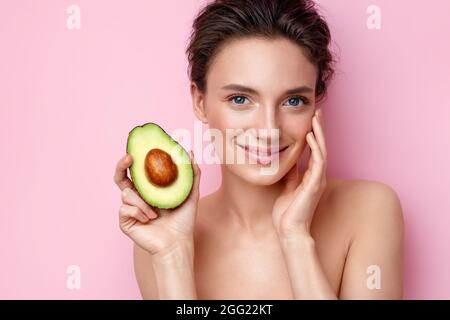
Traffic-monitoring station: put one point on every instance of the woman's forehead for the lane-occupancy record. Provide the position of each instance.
(260, 62)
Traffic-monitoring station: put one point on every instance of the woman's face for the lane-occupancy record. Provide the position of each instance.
(254, 87)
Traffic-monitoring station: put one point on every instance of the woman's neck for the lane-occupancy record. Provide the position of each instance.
(248, 206)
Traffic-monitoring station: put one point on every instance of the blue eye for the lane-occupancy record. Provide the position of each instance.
(297, 100)
(235, 99)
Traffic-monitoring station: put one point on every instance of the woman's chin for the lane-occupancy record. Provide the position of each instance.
(258, 174)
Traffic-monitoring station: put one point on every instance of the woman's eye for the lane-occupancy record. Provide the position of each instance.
(297, 101)
(237, 99)
(293, 101)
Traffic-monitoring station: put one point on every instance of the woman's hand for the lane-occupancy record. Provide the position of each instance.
(295, 207)
(156, 230)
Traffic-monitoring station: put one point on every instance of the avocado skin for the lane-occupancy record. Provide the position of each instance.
(155, 204)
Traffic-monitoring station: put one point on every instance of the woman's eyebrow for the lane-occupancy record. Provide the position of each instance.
(238, 87)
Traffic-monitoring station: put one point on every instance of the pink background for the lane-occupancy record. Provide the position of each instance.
(69, 97)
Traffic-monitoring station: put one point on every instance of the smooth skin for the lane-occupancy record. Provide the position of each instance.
(289, 235)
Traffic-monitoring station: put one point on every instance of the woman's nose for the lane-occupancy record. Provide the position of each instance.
(268, 126)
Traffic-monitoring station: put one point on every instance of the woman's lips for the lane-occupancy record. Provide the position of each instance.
(262, 155)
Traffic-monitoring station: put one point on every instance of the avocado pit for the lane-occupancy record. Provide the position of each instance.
(160, 168)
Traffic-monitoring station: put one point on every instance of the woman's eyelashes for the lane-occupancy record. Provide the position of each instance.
(303, 101)
(241, 99)
(293, 102)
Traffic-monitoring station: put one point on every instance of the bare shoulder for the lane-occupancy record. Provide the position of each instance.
(372, 214)
(361, 188)
(366, 203)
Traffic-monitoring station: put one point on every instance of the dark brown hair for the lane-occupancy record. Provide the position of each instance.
(223, 20)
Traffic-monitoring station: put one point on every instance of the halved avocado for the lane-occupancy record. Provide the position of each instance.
(161, 170)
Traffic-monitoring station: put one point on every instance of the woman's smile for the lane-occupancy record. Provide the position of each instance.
(262, 155)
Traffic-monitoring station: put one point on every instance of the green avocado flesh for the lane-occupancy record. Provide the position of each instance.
(150, 136)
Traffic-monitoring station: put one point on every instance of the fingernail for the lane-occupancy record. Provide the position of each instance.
(151, 213)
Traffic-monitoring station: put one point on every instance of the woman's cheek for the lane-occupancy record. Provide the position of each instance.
(297, 130)
(229, 119)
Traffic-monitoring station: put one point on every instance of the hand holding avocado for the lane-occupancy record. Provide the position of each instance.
(161, 171)
(159, 209)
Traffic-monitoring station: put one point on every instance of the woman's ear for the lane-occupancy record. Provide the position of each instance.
(198, 103)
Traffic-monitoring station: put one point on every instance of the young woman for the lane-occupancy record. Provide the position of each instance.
(264, 64)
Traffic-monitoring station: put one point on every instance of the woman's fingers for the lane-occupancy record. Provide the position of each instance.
(319, 132)
(126, 211)
(316, 162)
(130, 197)
(120, 175)
(315, 174)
